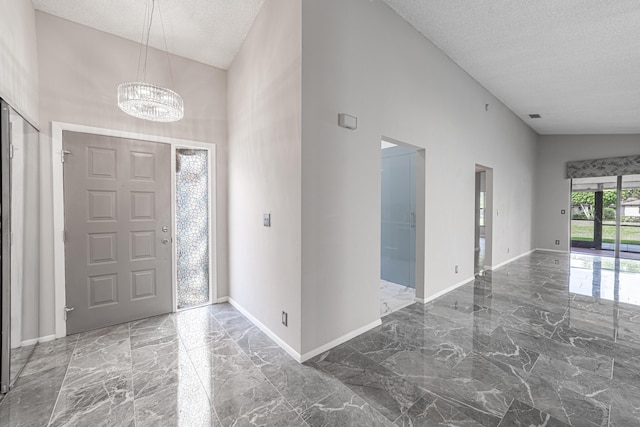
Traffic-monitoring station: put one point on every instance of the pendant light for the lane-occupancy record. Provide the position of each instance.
(146, 100)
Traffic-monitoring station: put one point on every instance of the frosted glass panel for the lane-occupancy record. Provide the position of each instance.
(398, 207)
(192, 226)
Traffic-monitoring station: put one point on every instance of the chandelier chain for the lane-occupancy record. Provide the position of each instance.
(166, 48)
(146, 49)
(146, 100)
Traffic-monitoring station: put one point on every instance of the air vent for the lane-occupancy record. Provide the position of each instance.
(534, 116)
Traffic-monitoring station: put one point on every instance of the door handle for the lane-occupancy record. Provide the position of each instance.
(165, 241)
(67, 310)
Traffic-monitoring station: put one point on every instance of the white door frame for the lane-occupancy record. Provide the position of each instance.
(58, 209)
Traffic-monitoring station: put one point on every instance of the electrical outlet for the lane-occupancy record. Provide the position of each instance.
(557, 242)
(456, 269)
(267, 220)
(284, 318)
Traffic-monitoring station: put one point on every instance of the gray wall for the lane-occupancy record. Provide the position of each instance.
(553, 189)
(264, 170)
(360, 58)
(18, 57)
(80, 70)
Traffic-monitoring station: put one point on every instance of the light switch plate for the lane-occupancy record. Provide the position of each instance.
(267, 220)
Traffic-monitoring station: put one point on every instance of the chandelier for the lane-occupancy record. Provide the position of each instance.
(149, 101)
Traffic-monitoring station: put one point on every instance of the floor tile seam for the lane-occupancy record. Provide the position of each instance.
(534, 364)
(505, 414)
(355, 393)
(310, 405)
(456, 403)
(523, 377)
(540, 352)
(321, 400)
(267, 379)
(53, 409)
(374, 409)
(589, 352)
(371, 402)
(260, 370)
(507, 343)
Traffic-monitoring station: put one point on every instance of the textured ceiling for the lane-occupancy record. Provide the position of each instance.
(574, 62)
(208, 31)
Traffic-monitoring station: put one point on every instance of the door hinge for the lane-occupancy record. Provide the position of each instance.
(11, 151)
(64, 235)
(62, 154)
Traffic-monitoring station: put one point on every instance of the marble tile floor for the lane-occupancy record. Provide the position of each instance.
(393, 297)
(513, 348)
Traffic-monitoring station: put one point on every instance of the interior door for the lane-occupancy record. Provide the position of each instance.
(398, 216)
(118, 255)
(5, 254)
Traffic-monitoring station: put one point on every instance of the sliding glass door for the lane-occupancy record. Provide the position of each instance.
(593, 213)
(605, 215)
(630, 217)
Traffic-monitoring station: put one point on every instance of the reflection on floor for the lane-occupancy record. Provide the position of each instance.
(480, 256)
(607, 252)
(549, 339)
(393, 297)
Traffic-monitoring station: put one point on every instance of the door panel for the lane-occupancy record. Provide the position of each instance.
(117, 256)
(398, 232)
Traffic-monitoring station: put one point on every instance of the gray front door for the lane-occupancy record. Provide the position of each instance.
(117, 202)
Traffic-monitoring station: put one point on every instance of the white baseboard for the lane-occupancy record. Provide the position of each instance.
(341, 340)
(286, 347)
(222, 299)
(557, 251)
(47, 338)
(445, 291)
(503, 263)
(34, 341)
(313, 353)
(27, 343)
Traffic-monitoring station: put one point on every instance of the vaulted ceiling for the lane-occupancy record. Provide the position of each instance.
(576, 63)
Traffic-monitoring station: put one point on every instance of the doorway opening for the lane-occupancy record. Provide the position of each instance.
(483, 219)
(402, 225)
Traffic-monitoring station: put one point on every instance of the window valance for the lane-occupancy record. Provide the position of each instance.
(613, 166)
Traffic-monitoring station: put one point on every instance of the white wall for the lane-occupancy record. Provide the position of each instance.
(80, 70)
(360, 58)
(18, 57)
(264, 170)
(553, 189)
